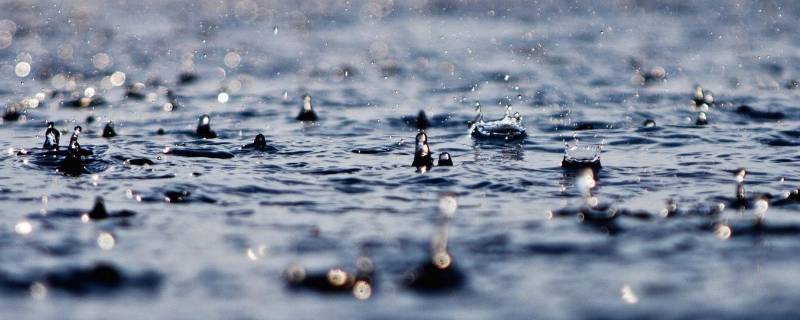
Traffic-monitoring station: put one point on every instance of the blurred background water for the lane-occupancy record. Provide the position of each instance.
(212, 238)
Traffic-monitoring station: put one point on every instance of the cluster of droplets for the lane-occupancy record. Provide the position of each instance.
(702, 100)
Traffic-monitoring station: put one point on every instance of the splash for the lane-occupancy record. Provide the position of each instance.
(577, 154)
(509, 127)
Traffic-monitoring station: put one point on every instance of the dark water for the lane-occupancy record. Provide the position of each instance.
(213, 237)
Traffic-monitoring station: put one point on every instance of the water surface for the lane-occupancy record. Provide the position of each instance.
(342, 187)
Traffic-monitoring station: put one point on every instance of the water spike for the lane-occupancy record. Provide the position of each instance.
(75, 133)
(478, 112)
(307, 111)
(204, 128)
(698, 92)
(52, 137)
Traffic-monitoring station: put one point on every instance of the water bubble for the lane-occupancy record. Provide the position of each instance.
(232, 59)
(364, 264)
(106, 241)
(295, 273)
(32, 103)
(442, 260)
(378, 50)
(23, 227)
(38, 291)
(58, 81)
(234, 85)
(377, 9)
(723, 232)
(246, 10)
(117, 78)
(22, 69)
(337, 277)
(101, 61)
(6, 38)
(362, 290)
(8, 26)
(222, 97)
(7, 30)
(66, 51)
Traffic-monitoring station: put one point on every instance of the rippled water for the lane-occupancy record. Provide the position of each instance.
(213, 238)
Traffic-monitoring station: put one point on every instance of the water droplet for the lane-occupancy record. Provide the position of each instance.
(723, 232)
(628, 296)
(117, 78)
(23, 227)
(38, 291)
(222, 97)
(362, 290)
(106, 241)
(23, 69)
(232, 59)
